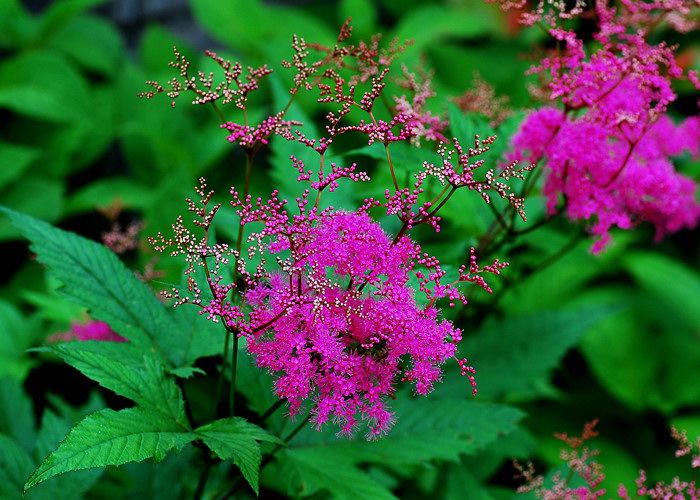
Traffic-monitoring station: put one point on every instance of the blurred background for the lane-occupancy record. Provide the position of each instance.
(614, 337)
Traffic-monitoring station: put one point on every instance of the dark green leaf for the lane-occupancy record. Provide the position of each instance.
(16, 414)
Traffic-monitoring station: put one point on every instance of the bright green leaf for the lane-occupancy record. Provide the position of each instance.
(113, 438)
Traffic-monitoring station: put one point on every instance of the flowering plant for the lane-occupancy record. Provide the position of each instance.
(331, 304)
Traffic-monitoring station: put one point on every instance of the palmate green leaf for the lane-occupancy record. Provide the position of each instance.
(143, 382)
(108, 437)
(94, 277)
(237, 439)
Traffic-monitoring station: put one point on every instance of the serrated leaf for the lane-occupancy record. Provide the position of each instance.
(144, 383)
(237, 439)
(109, 437)
(94, 277)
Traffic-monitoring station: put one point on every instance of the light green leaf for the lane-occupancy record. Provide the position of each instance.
(39, 197)
(113, 438)
(107, 191)
(91, 41)
(245, 23)
(60, 13)
(17, 333)
(669, 281)
(56, 92)
(146, 383)
(237, 439)
(14, 159)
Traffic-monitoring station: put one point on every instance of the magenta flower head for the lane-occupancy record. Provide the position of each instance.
(348, 323)
(91, 330)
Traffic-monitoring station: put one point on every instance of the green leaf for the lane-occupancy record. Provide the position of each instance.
(91, 41)
(36, 196)
(15, 466)
(426, 429)
(107, 191)
(16, 414)
(429, 23)
(43, 85)
(237, 439)
(17, 27)
(94, 277)
(311, 471)
(224, 21)
(669, 281)
(14, 159)
(113, 438)
(17, 333)
(107, 363)
(514, 356)
(60, 13)
(71, 485)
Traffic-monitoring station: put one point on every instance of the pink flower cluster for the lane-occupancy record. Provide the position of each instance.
(347, 323)
(337, 310)
(609, 150)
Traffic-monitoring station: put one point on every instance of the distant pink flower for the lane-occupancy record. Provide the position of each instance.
(92, 330)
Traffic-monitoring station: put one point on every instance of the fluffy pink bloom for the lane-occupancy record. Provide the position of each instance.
(348, 326)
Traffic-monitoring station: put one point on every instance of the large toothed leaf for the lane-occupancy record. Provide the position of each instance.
(237, 439)
(113, 438)
(95, 278)
(114, 366)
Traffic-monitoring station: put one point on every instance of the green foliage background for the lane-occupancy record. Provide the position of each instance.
(615, 337)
